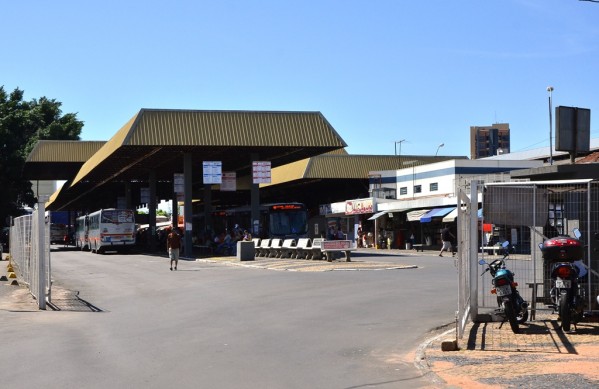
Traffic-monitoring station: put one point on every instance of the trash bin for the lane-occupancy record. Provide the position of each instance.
(408, 246)
(246, 251)
(429, 241)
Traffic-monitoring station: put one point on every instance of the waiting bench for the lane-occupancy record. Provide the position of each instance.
(420, 247)
(262, 248)
(329, 247)
(287, 249)
(315, 251)
(301, 249)
(274, 248)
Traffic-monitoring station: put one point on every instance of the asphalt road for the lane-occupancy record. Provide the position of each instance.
(213, 325)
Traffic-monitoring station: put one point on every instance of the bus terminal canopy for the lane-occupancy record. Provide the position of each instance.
(155, 140)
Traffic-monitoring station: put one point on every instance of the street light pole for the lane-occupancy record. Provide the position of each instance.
(550, 89)
(438, 147)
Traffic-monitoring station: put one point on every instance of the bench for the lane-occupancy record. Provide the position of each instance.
(274, 248)
(315, 251)
(202, 249)
(491, 249)
(331, 246)
(419, 247)
(263, 248)
(287, 248)
(301, 248)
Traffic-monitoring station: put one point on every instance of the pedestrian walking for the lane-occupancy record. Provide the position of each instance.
(446, 237)
(173, 244)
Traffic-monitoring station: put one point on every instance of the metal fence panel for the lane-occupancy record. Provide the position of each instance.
(525, 214)
(30, 253)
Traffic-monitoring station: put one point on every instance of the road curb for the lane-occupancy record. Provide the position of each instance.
(421, 362)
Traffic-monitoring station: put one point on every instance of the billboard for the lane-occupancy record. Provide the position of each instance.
(572, 129)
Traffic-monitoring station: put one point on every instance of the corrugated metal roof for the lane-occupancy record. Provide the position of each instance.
(154, 136)
(106, 150)
(346, 166)
(231, 128)
(63, 151)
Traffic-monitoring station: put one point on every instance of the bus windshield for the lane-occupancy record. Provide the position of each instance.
(288, 223)
(115, 216)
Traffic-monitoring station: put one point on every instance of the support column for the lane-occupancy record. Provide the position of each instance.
(175, 210)
(208, 209)
(187, 207)
(255, 203)
(41, 251)
(152, 238)
(128, 202)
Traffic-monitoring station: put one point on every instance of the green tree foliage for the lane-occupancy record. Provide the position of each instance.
(22, 124)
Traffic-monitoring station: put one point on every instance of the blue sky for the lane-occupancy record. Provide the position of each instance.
(379, 71)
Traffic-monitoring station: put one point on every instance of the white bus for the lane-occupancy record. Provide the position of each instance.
(106, 230)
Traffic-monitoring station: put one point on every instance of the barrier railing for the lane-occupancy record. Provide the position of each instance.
(30, 253)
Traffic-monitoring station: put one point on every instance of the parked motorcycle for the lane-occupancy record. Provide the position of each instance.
(511, 305)
(564, 255)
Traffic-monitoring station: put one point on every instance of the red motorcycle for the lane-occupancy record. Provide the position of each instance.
(564, 255)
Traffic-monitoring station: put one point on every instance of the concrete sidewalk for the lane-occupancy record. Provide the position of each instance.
(14, 297)
(541, 356)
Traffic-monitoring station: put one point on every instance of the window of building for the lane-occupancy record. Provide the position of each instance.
(403, 190)
(434, 186)
(417, 188)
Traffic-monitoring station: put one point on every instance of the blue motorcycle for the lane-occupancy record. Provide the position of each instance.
(511, 305)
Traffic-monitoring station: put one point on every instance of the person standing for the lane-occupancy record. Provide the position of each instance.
(446, 237)
(173, 244)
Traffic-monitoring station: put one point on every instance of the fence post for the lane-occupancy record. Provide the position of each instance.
(473, 249)
(41, 251)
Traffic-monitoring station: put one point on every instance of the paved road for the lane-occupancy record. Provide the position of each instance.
(214, 325)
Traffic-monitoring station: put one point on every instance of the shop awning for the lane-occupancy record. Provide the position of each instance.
(377, 215)
(435, 212)
(414, 216)
(451, 216)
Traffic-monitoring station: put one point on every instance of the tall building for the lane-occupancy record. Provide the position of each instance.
(486, 141)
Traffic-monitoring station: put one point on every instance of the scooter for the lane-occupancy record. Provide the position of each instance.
(511, 304)
(568, 295)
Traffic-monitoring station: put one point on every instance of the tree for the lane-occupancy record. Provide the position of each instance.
(22, 124)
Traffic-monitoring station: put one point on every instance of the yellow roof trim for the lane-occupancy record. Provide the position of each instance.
(109, 147)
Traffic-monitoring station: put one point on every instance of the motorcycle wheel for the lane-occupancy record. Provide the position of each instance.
(565, 314)
(510, 313)
(522, 315)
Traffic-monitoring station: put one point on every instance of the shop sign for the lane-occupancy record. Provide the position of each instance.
(354, 207)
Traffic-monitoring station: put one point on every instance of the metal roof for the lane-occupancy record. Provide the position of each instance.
(58, 159)
(338, 166)
(156, 139)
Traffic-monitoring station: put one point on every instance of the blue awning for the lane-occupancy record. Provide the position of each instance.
(451, 216)
(435, 212)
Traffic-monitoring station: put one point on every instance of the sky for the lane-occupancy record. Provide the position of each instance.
(380, 71)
